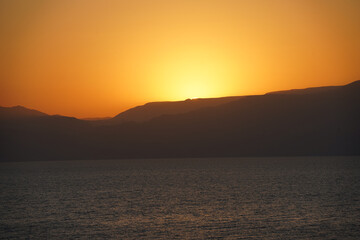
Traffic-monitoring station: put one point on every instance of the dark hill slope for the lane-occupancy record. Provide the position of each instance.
(310, 123)
(155, 109)
(40, 136)
(322, 123)
(19, 112)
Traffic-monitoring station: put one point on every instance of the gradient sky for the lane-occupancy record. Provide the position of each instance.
(88, 58)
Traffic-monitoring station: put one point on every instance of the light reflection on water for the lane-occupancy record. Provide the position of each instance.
(243, 198)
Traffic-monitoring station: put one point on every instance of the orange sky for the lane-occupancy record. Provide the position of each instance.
(88, 58)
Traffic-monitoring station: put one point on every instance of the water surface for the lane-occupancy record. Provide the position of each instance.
(230, 198)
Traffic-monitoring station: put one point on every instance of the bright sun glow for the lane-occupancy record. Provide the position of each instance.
(195, 75)
(98, 58)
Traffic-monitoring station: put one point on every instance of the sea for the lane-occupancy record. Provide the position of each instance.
(203, 198)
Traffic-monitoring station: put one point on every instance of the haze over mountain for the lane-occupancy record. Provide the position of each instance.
(315, 121)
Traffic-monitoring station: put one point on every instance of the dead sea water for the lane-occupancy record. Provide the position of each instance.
(229, 198)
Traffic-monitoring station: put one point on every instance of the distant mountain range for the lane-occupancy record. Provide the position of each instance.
(156, 109)
(313, 121)
(19, 112)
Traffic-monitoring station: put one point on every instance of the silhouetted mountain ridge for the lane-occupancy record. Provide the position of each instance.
(19, 112)
(309, 122)
(314, 89)
(155, 109)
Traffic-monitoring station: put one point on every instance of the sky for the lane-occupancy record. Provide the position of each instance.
(97, 58)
